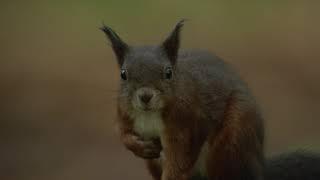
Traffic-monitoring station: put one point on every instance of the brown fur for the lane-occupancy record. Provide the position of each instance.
(182, 144)
(154, 168)
(233, 151)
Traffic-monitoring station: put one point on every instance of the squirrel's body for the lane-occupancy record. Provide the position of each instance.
(210, 81)
(187, 113)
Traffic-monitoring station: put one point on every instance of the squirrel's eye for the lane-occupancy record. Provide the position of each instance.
(168, 73)
(123, 74)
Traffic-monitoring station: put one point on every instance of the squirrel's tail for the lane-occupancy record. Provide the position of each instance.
(290, 166)
(293, 166)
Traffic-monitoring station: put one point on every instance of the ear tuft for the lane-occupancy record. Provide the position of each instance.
(172, 43)
(119, 47)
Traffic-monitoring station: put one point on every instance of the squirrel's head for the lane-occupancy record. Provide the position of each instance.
(147, 72)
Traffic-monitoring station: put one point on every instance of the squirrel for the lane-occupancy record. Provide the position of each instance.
(187, 113)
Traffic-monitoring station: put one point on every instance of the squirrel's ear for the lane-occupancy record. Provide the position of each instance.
(172, 43)
(119, 47)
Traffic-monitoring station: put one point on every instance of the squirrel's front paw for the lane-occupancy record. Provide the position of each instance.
(148, 149)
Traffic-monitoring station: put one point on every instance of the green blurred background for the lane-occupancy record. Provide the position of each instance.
(58, 76)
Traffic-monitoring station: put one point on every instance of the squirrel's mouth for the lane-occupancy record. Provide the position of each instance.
(145, 108)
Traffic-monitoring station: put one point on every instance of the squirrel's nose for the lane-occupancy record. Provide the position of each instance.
(145, 98)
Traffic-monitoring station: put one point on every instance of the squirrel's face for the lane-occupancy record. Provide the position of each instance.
(147, 73)
(146, 79)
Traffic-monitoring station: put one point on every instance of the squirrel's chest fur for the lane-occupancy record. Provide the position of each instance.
(148, 124)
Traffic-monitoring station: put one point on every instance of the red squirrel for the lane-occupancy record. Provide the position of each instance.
(187, 113)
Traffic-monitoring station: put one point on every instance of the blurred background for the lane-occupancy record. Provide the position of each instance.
(58, 76)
